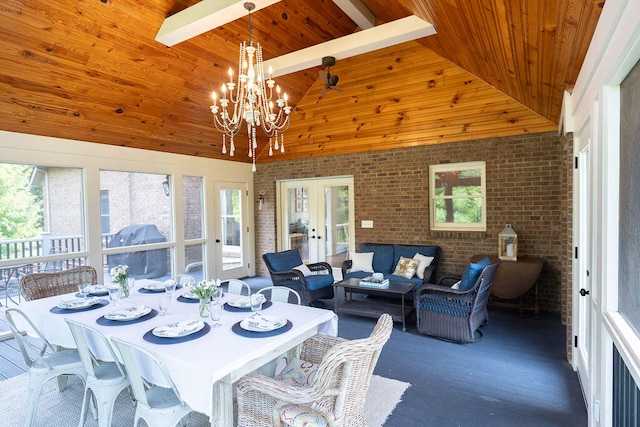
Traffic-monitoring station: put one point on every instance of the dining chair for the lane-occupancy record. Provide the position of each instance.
(158, 400)
(106, 377)
(43, 285)
(43, 360)
(280, 294)
(236, 287)
(326, 386)
(184, 279)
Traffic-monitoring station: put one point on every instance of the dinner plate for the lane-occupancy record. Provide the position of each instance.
(244, 302)
(262, 323)
(178, 329)
(128, 313)
(190, 295)
(98, 290)
(154, 287)
(78, 303)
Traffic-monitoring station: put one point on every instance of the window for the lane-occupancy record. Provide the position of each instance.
(457, 192)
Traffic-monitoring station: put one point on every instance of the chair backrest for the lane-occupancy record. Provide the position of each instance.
(184, 279)
(483, 285)
(93, 347)
(348, 366)
(43, 285)
(280, 293)
(282, 261)
(236, 287)
(144, 370)
(30, 350)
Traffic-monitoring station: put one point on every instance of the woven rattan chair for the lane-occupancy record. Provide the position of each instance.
(337, 393)
(42, 285)
(452, 314)
(315, 285)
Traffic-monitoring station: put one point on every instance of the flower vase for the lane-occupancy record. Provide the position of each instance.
(124, 289)
(203, 307)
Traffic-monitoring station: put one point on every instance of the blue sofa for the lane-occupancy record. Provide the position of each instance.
(387, 255)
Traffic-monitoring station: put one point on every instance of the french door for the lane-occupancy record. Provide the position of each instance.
(232, 236)
(316, 217)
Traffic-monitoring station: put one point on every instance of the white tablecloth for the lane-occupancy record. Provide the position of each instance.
(196, 365)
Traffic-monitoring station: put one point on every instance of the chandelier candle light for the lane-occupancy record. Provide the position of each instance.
(251, 103)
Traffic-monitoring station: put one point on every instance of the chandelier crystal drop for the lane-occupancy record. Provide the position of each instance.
(250, 100)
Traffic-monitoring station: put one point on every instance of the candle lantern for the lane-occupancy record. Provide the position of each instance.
(508, 244)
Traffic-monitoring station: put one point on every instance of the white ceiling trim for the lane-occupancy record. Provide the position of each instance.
(202, 17)
(358, 13)
(380, 37)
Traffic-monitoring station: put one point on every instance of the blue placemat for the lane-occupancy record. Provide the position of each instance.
(188, 300)
(108, 322)
(94, 294)
(228, 307)
(148, 336)
(58, 310)
(250, 334)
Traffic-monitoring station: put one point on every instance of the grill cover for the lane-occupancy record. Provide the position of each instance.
(145, 264)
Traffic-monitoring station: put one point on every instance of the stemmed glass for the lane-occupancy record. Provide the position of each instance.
(114, 294)
(170, 286)
(216, 307)
(83, 290)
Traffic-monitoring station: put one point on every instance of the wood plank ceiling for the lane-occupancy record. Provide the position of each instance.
(90, 70)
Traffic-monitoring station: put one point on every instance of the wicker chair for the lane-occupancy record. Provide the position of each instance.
(452, 314)
(313, 286)
(337, 393)
(42, 285)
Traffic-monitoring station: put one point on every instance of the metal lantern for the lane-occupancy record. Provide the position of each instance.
(508, 244)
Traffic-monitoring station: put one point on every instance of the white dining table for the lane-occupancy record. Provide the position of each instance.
(204, 369)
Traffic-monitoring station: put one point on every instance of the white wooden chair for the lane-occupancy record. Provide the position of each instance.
(184, 279)
(158, 400)
(106, 377)
(280, 294)
(237, 287)
(44, 361)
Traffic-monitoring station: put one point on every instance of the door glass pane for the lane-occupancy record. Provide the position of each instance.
(193, 212)
(298, 236)
(231, 217)
(336, 200)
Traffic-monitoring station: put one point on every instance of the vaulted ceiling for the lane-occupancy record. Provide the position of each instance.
(91, 70)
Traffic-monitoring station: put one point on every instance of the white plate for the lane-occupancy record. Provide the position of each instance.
(98, 290)
(262, 323)
(129, 313)
(244, 302)
(190, 295)
(154, 287)
(78, 303)
(178, 329)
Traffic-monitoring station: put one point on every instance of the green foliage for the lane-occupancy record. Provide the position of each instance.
(21, 211)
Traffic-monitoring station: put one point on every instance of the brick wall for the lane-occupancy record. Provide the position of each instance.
(526, 187)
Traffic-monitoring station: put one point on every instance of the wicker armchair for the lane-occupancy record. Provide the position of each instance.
(42, 285)
(336, 394)
(452, 314)
(313, 286)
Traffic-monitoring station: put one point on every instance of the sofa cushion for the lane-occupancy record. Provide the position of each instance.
(361, 261)
(298, 372)
(423, 262)
(382, 257)
(317, 281)
(284, 261)
(408, 251)
(472, 272)
(406, 267)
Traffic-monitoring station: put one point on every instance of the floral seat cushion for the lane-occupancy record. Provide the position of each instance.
(301, 416)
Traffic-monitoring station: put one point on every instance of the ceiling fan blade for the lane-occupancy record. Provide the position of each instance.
(323, 92)
(336, 88)
(323, 76)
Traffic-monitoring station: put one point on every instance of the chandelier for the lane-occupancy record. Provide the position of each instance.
(252, 102)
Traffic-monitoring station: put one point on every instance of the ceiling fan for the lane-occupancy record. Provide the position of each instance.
(330, 81)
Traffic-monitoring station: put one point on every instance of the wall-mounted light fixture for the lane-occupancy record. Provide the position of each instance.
(260, 200)
(166, 186)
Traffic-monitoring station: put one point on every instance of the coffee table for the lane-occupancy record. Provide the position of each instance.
(374, 308)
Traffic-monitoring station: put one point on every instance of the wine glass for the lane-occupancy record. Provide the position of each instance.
(114, 294)
(169, 286)
(163, 303)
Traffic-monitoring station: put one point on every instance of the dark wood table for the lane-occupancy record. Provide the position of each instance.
(374, 307)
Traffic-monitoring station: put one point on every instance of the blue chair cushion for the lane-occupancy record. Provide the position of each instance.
(318, 281)
(382, 257)
(443, 305)
(283, 261)
(472, 272)
(409, 251)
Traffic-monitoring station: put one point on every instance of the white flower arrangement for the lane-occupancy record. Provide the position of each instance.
(205, 289)
(119, 275)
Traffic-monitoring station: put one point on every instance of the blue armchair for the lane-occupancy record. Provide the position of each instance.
(312, 285)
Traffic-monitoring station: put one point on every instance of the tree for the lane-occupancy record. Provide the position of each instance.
(21, 214)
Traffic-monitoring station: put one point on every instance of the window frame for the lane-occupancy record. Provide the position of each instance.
(455, 167)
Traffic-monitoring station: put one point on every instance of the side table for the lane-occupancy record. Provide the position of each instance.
(514, 279)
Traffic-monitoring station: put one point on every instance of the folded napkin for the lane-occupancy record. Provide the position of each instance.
(78, 302)
(268, 323)
(129, 312)
(245, 302)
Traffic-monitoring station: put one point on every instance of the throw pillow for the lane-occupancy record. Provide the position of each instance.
(302, 268)
(362, 261)
(406, 267)
(456, 285)
(472, 272)
(298, 372)
(424, 262)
